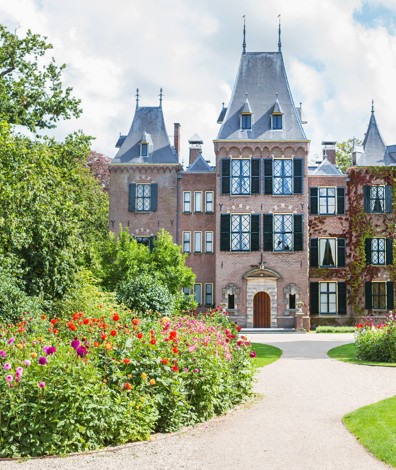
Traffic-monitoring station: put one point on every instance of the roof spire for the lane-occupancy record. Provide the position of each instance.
(244, 36)
(137, 98)
(372, 106)
(279, 35)
(160, 98)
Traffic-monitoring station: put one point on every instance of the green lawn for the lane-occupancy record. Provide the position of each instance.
(347, 353)
(375, 427)
(265, 354)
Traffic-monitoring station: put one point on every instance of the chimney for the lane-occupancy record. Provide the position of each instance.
(176, 138)
(195, 148)
(329, 151)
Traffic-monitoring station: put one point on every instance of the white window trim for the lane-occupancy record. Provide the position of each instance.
(335, 197)
(250, 177)
(196, 193)
(371, 250)
(206, 249)
(209, 284)
(386, 295)
(335, 254)
(336, 298)
(200, 242)
(200, 291)
(273, 232)
(145, 198)
(189, 238)
(184, 202)
(250, 231)
(146, 144)
(206, 202)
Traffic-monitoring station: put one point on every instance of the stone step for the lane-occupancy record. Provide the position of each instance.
(268, 330)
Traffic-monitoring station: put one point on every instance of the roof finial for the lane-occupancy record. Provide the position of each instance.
(160, 97)
(244, 36)
(279, 35)
(137, 98)
(372, 106)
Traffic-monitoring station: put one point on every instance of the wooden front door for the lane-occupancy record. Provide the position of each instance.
(262, 310)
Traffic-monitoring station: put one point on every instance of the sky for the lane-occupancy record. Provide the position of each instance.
(339, 55)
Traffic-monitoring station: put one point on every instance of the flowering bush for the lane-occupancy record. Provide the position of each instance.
(376, 342)
(89, 381)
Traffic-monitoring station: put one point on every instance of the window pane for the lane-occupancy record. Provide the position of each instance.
(282, 180)
(209, 242)
(209, 201)
(187, 201)
(246, 121)
(198, 242)
(327, 252)
(240, 232)
(198, 293)
(186, 242)
(328, 297)
(208, 294)
(379, 295)
(283, 232)
(378, 252)
(276, 121)
(377, 198)
(240, 176)
(327, 201)
(143, 197)
(198, 201)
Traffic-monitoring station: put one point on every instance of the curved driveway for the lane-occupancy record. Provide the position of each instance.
(296, 425)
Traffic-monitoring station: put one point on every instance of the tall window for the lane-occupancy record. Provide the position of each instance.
(144, 149)
(197, 242)
(377, 199)
(143, 197)
(209, 201)
(283, 232)
(231, 301)
(292, 301)
(246, 121)
(198, 293)
(283, 177)
(378, 251)
(209, 242)
(240, 232)
(328, 297)
(198, 201)
(327, 201)
(378, 296)
(240, 176)
(186, 242)
(208, 294)
(187, 201)
(327, 252)
(277, 121)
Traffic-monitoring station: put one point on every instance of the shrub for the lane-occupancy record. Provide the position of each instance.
(376, 343)
(335, 329)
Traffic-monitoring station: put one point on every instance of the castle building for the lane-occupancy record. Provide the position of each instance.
(276, 241)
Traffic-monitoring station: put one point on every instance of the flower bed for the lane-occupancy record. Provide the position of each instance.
(84, 383)
(376, 342)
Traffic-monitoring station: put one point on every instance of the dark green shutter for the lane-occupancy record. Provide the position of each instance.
(368, 250)
(366, 192)
(342, 304)
(314, 298)
(132, 197)
(341, 248)
(388, 198)
(154, 197)
(340, 201)
(389, 251)
(313, 201)
(368, 292)
(255, 168)
(268, 232)
(255, 232)
(298, 175)
(390, 299)
(298, 232)
(267, 176)
(225, 226)
(225, 175)
(314, 253)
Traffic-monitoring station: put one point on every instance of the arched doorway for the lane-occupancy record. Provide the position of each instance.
(262, 310)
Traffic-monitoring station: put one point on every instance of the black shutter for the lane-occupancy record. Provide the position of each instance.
(225, 227)
(390, 299)
(298, 232)
(154, 197)
(388, 198)
(340, 201)
(268, 233)
(225, 175)
(298, 175)
(314, 253)
(255, 232)
(341, 248)
(368, 250)
(314, 298)
(267, 176)
(313, 201)
(255, 169)
(366, 192)
(389, 251)
(342, 304)
(132, 197)
(369, 299)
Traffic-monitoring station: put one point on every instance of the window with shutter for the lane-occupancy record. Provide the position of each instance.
(327, 200)
(240, 176)
(327, 298)
(282, 176)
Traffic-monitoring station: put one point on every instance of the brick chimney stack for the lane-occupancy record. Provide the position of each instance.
(329, 151)
(195, 148)
(176, 137)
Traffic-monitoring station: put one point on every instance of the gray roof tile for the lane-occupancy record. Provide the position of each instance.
(375, 151)
(327, 168)
(200, 165)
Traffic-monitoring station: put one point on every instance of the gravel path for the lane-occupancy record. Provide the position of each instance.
(295, 425)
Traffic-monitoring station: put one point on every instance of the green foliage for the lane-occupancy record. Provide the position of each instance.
(377, 342)
(147, 294)
(265, 354)
(344, 153)
(335, 329)
(31, 92)
(347, 353)
(375, 428)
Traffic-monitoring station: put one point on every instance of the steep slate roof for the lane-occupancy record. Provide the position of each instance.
(148, 122)
(261, 75)
(326, 168)
(200, 165)
(375, 152)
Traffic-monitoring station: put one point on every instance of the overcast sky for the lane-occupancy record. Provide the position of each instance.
(339, 54)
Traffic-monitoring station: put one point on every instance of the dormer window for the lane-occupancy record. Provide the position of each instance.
(144, 149)
(277, 122)
(246, 121)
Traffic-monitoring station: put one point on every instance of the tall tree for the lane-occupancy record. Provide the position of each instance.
(31, 91)
(344, 153)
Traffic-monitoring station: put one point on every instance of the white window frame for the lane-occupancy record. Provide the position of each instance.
(143, 198)
(385, 295)
(198, 201)
(211, 293)
(209, 242)
(198, 290)
(240, 178)
(146, 146)
(186, 204)
(377, 250)
(239, 235)
(290, 177)
(320, 212)
(209, 204)
(186, 239)
(291, 248)
(335, 293)
(321, 248)
(197, 242)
